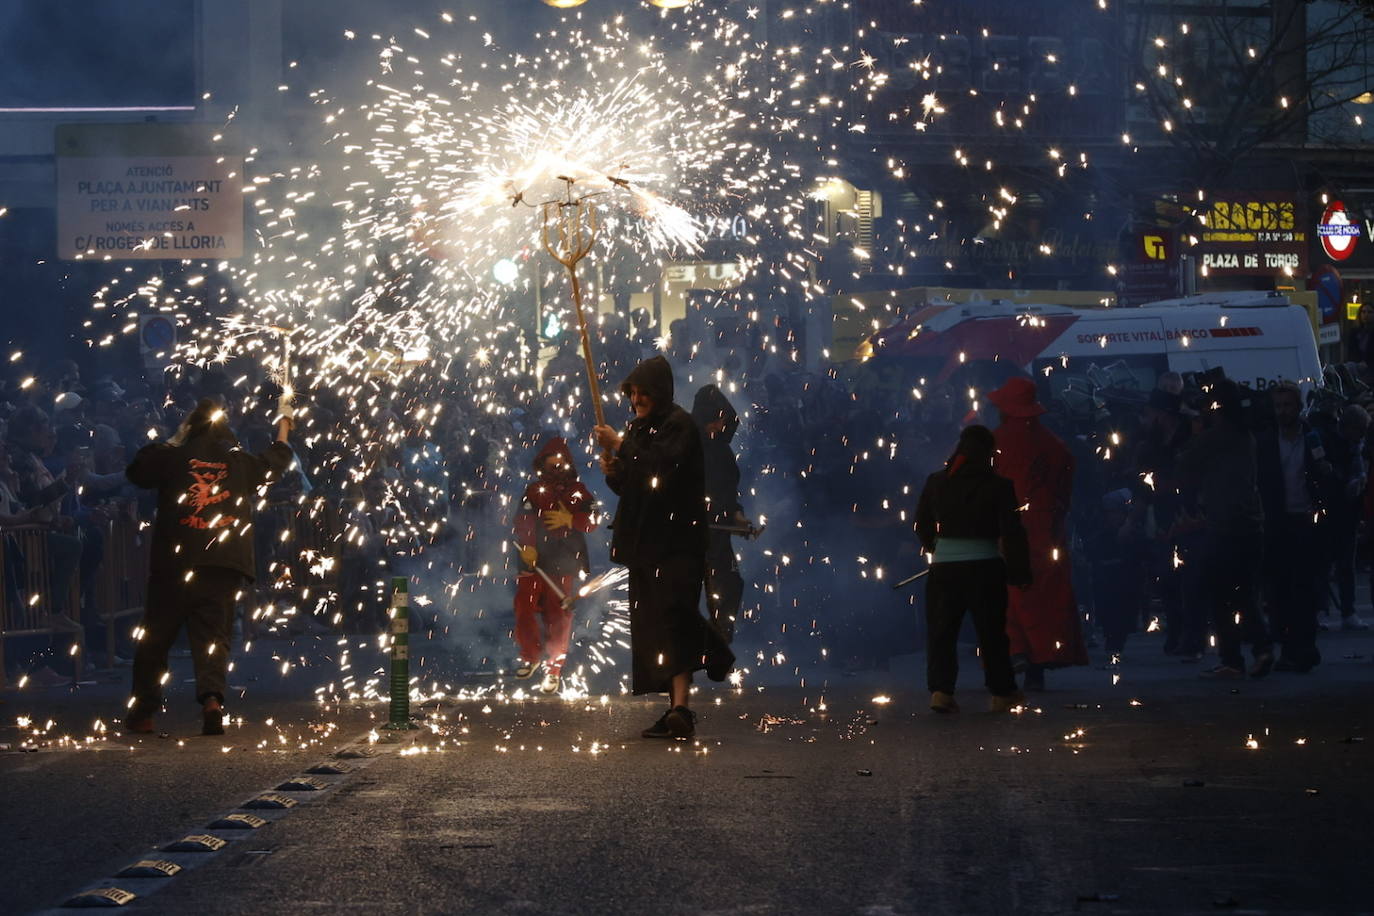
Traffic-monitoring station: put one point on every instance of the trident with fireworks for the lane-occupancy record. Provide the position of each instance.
(570, 230)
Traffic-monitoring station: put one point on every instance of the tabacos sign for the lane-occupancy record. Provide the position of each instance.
(1342, 233)
(1258, 233)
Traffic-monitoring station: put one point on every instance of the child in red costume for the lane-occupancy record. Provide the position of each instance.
(550, 530)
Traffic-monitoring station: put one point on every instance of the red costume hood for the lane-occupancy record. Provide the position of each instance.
(556, 445)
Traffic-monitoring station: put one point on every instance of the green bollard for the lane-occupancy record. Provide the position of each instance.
(400, 655)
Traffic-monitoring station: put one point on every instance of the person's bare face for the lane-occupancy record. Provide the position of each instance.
(641, 402)
(1287, 409)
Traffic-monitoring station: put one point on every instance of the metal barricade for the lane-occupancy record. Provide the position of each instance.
(121, 582)
(33, 604)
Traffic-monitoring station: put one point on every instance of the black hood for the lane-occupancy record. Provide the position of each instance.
(655, 378)
(710, 405)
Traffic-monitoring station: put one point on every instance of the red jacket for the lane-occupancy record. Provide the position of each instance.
(564, 550)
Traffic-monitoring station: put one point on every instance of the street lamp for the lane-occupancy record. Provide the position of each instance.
(564, 4)
(667, 4)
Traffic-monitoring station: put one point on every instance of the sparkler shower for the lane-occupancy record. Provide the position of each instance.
(372, 272)
(1036, 490)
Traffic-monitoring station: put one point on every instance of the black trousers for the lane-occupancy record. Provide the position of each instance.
(977, 587)
(1187, 628)
(724, 585)
(1295, 572)
(205, 605)
(1230, 564)
(1341, 531)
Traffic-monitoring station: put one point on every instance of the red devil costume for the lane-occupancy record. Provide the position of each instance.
(550, 528)
(1042, 620)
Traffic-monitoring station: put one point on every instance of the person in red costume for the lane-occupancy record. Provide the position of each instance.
(550, 529)
(1042, 621)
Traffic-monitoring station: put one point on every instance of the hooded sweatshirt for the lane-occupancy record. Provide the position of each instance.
(563, 551)
(660, 477)
(722, 470)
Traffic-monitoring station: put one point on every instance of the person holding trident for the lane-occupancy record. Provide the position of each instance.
(660, 533)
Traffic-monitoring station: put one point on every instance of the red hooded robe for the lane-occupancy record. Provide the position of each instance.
(1042, 621)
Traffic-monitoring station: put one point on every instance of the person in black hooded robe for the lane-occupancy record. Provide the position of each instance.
(718, 421)
(202, 551)
(660, 534)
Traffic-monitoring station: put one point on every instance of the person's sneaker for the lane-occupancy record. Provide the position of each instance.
(660, 728)
(212, 718)
(138, 724)
(551, 683)
(1264, 663)
(1008, 702)
(46, 677)
(1222, 673)
(943, 702)
(681, 722)
(1353, 622)
(524, 670)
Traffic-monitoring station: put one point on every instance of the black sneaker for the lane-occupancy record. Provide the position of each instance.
(682, 722)
(212, 719)
(660, 728)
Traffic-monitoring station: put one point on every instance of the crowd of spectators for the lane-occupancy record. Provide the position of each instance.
(837, 452)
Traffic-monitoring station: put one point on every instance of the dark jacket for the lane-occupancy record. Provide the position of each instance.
(974, 503)
(722, 470)
(206, 490)
(660, 478)
(1220, 465)
(1316, 472)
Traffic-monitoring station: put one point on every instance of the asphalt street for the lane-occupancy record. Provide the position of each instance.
(1140, 790)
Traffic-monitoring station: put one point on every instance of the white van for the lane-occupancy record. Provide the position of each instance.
(1258, 338)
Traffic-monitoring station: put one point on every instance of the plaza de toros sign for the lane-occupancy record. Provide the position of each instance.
(1255, 234)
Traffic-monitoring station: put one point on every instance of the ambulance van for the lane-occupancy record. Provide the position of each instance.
(1257, 338)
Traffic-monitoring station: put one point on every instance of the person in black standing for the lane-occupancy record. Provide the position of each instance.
(718, 421)
(1220, 468)
(1294, 474)
(969, 525)
(659, 533)
(202, 552)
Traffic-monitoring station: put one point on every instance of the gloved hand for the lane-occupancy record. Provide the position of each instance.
(560, 517)
(179, 437)
(529, 555)
(286, 404)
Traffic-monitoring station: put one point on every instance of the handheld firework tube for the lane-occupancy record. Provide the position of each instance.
(400, 655)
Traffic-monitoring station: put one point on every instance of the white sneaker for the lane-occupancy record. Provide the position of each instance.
(1353, 622)
(550, 684)
(524, 670)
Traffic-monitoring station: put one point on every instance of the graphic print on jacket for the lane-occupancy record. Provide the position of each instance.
(205, 492)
